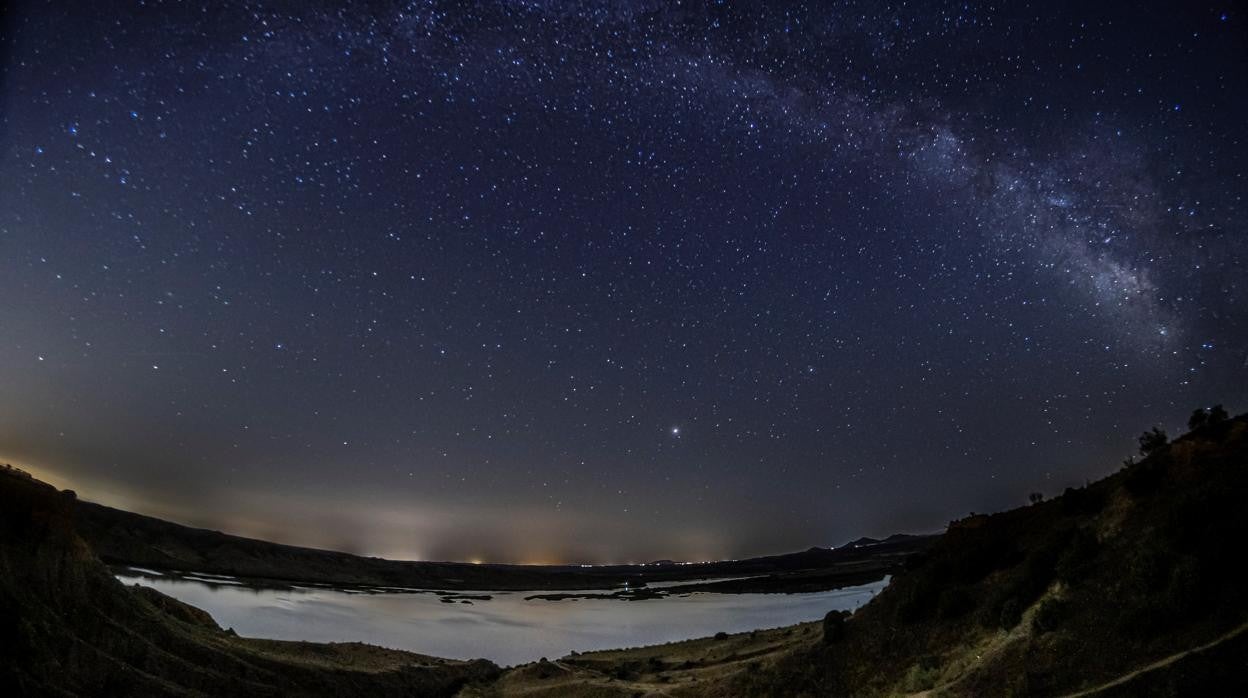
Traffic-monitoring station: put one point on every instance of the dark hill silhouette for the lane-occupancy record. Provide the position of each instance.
(68, 627)
(121, 537)
(1133, 585)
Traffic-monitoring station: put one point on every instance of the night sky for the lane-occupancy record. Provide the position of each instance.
(539, 282)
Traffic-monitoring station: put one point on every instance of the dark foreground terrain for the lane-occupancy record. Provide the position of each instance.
(68, 627)
(1133, 585)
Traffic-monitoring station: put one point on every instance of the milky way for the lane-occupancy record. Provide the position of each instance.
(612, 281)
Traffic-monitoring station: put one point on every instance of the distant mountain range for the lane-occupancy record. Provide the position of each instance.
(124, 538)
(896, 538)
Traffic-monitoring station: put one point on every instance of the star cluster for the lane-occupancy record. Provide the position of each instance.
(537, 281)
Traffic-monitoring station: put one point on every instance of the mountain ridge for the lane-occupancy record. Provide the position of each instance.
(126, 538)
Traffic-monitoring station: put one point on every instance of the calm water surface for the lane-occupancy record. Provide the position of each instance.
(506, 629)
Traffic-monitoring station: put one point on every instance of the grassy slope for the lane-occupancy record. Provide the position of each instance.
(1061, 596)
(701, 667)
(1133, 585)
(67, 627)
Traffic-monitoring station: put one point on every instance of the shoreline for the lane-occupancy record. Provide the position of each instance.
(759, 584)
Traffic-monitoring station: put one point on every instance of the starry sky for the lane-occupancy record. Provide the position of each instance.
(612, 281)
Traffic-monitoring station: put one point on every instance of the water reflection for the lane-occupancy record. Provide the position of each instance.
(506, 629)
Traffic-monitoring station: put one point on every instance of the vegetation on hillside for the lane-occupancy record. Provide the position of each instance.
(1130, 586)
(1065, 594)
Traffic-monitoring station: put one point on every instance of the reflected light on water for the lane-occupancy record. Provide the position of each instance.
(507, 629)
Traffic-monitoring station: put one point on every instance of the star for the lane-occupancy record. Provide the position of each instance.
(434, 232)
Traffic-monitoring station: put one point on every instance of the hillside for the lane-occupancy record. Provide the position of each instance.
(1065, 595)
(68, 627)
(1131, 586)
(121, 537)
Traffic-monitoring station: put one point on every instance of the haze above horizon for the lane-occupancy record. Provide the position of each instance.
(613, 281)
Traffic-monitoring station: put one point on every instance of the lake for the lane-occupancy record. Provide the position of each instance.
(507, 629)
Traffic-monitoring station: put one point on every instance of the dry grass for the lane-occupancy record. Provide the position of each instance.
(700, 667)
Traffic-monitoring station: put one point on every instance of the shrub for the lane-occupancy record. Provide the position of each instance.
(1151, 441)
(1217, 414)
(625, 671)
(1198, 419)
(921, 678)
(834, 627)
(1049, 615)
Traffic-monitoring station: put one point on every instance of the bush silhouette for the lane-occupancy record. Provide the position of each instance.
(1198, 419)
(1151, 441)
(1048, 616)
(1207, 417)
(834, 627)
(1217, 415)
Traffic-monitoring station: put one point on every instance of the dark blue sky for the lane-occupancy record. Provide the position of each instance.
(536, 281)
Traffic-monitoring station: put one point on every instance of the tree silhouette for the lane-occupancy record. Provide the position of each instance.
(1152, 440)
(1198, 419)
(1035, 497)
(1207, 417)
(1217, 414)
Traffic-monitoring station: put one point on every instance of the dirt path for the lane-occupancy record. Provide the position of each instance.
(990, 648)
(1161, 663)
